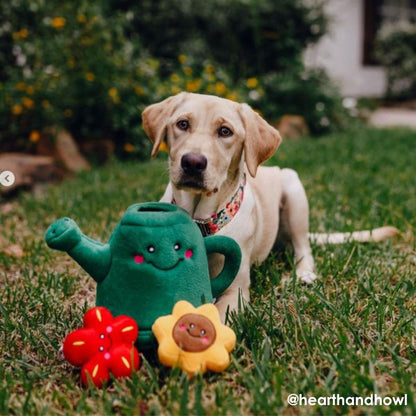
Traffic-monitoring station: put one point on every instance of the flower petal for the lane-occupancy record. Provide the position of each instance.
(228, 338)
(211, 312)
(97, 317)
(217, 358)
(124, 329)
(124, 360)
(182, 307)
(163, 326)
(80, 346)
(95, 371)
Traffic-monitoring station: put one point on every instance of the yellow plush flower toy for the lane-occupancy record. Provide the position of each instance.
(194, 339)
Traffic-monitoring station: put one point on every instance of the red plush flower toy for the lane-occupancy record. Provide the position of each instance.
(104, 346)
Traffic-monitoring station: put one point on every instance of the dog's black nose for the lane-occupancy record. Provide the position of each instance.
(193, 163)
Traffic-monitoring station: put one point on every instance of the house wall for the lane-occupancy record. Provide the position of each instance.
(340, 52)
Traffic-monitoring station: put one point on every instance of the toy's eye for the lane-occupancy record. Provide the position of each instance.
(192, 326)
(102, 336)
(101, 349)
(203, 332)
(151, 249)
(177, 246)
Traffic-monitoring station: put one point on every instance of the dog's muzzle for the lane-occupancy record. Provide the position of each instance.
(193, 167)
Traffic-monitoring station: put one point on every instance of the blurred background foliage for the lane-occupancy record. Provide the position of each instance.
(396, 52)
(92, 66)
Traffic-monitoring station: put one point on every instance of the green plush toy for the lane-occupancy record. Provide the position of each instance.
(156, 257)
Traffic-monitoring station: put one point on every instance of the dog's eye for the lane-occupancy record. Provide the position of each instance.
(182, 125)
(224, 132)
(151, 249)
(177, 246)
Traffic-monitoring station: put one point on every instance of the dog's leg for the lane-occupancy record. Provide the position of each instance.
(295, 221)
(239, 291)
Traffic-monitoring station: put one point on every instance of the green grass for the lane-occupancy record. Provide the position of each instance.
(351, 333)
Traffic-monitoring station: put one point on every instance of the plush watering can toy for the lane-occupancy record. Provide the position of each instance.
(156, 257)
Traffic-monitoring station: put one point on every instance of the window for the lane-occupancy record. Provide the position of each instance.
(384, 12)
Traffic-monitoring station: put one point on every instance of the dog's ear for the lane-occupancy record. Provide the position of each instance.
(155, 119)
(261, 139)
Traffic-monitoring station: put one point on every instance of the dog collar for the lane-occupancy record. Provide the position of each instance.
(215, 222)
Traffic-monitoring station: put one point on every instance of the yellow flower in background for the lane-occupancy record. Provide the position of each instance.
(46, 104)
(209, 68)
(232, 96)
(34, 136)
(182, 58)
(252, 82)
(82, 18)
(220, 88)
(164, 147)
(68, 113)
(210, 77)
(21, 86)
(113, 93)
(89, 76)
(139, 90)
(187, 70)
(58, 22)
(193, 85)
(17, 109)
(174, 78)
(21, 34)
(175, 89)
(28, 103)
(30, 90)
(128, 147)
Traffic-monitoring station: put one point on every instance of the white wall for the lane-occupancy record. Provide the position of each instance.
(340, 51)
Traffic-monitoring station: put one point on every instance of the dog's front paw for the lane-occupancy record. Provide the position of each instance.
(306, 276)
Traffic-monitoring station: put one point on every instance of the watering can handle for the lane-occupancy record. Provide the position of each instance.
(232, 253)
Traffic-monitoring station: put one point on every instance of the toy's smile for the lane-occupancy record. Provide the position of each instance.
(139, 259)
(164, 268)
(193, 335)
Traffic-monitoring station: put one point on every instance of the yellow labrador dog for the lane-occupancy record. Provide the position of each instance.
(216, 147)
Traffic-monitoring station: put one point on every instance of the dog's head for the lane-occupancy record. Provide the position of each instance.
(208, 137)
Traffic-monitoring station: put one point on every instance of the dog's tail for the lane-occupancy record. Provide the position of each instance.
(365, 236)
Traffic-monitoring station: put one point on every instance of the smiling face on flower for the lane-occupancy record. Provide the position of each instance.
(194, 339)
(194, 333)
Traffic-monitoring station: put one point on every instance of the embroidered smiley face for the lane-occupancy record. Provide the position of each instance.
(194, 333)
(163, 258)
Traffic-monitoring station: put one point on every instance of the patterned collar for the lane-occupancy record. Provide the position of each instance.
(216, 221)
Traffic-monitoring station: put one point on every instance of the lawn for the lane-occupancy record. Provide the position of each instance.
(351, 333)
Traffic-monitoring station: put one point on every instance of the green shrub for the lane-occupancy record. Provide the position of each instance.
(247, 38)
(259, 43)
(396, 51)
(92, 66)
(309, 93)
(73, 67)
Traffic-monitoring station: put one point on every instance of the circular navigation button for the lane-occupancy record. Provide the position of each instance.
(7, 178)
